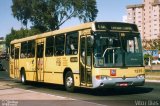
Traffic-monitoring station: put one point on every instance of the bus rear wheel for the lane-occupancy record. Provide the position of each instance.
(69, 82)
(23, 77)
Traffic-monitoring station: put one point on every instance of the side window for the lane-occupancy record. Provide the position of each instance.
(59, 45)
(28, 49)
(72, 43)
(23, 50)
(16, 53)
(12, 51)
(49, 46)
(40, 49)
(31, 49)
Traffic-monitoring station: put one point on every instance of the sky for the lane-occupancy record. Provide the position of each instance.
(109, 10)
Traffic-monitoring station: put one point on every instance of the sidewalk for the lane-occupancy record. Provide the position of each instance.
(7, 92)
(155, 81)
(10, 96)
(153, 73)
(153, 67)
(152, 79)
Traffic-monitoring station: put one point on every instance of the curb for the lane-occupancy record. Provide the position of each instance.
(155, 81)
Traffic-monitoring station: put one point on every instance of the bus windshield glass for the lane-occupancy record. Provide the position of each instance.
(115, 49)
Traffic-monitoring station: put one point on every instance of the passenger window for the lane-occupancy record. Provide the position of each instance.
(31, 49)
(72, 43)
(23, 49)
(40, 48)
(59, 45)
(28, 49)
(49, 46)
(12, 51)
(16, 53)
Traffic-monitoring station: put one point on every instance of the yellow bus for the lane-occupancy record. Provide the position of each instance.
(90, 55)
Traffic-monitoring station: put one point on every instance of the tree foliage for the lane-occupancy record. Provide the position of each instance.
(17, 34)
(49, 15)
(151, 44)
(146, 58)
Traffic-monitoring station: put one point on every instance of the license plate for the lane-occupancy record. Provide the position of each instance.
(123, 84)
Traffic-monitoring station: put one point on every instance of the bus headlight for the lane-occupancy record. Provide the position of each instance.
(141, 76)
(103, 77)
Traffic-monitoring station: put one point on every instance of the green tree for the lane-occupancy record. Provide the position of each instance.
(49, 15)
(146, 58)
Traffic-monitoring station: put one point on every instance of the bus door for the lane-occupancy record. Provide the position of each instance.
(85, 62)
(11, 61)
(16, 62)
(40, 62)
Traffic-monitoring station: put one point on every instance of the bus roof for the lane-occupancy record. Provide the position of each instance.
(65, 30)
(60, 31)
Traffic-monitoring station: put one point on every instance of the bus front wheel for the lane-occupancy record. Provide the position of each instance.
(69, 81)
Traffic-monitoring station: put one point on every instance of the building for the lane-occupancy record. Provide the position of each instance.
(2, 45)
(147, 18)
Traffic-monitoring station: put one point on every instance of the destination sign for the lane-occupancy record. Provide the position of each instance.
(116, 26)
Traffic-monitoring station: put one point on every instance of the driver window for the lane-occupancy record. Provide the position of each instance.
(130, 46)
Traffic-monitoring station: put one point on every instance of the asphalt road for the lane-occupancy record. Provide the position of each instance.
(149, 93)
(112, 97)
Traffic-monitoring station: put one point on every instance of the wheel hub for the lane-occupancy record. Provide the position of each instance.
(69, 81)
(22, 78)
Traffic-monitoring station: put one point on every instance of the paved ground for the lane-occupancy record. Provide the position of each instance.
(10, 93)
(11, 96)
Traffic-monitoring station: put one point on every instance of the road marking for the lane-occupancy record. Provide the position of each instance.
(49, 94)
(62, 97)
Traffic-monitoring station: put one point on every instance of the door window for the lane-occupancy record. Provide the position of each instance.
(40, 49)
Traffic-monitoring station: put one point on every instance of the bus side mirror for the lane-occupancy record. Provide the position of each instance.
(91, 40)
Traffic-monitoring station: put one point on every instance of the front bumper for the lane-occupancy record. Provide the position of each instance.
(117, 82)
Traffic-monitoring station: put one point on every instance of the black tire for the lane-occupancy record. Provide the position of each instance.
(23, 77)
(69, 82)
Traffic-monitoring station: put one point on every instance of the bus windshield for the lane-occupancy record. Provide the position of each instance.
(114, 49)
